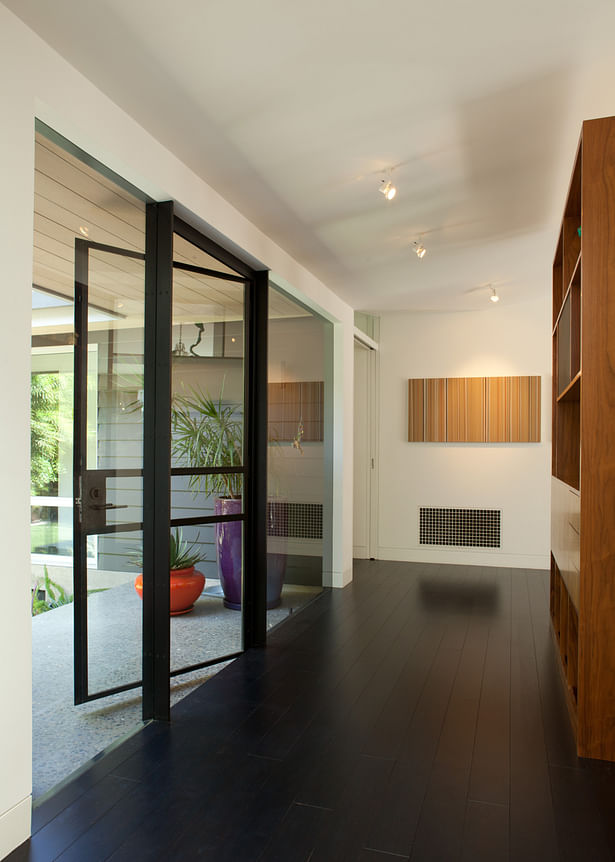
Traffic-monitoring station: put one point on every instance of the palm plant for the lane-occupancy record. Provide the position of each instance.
(208, 433)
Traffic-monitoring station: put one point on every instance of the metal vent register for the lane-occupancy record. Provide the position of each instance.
(462, 528)
(295, 520)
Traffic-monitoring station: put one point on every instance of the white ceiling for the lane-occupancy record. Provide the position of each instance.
(293, 111)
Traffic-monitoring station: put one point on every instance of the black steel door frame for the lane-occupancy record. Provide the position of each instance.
(161, 224)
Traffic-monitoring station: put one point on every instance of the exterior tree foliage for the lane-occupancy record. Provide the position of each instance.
(45, 434)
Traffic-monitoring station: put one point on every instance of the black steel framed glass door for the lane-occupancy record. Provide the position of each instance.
(133, 314)
(207, 449)
(108, 468)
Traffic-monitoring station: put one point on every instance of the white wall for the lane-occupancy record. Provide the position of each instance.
(501, 340)
(35, 81)
(16, 221)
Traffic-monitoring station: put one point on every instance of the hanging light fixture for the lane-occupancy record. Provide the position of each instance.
(419, 249)
(494, 297)
(180, 347)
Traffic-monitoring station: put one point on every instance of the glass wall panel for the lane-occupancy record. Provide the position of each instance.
(298, 379)
(74, 200)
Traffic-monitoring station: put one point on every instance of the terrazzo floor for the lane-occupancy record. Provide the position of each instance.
(65, 736)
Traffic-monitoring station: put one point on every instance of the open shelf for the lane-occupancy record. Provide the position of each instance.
(582, 528)
(573, 391)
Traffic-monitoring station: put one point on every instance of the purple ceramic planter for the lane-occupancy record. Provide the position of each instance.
(228, 556)
(228, 551)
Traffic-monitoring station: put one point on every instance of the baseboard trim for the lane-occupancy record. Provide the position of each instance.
(337, 580)
(465, 558)
(15, 826)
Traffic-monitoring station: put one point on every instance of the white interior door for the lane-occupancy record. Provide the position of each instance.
(362, 452)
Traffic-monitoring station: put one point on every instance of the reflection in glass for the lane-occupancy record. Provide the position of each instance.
(298, 340)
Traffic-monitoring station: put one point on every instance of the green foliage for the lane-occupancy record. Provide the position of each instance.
(44, 434)
(51, 431)
(182, 554)
(208, 433)
(56, 596)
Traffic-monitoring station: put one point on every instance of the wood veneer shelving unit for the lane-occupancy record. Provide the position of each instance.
(583, 465)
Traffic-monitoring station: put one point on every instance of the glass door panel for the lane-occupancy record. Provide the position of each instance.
(207, 425)
(114, 617)
(209, 631)
(108, 467)
(299, 375)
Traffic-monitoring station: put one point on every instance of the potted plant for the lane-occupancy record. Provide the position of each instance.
(186, 583)
(208, 432)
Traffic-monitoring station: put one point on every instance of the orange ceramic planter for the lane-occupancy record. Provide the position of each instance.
(186, 586)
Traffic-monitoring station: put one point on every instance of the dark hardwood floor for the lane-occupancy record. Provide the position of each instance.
(418, 714)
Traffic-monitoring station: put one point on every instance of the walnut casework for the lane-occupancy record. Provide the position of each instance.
(474, 410)
(583, 460)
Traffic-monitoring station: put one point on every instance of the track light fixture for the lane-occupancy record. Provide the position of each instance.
(388, 189)
(494, 297)
(386, 186)
(420, 250)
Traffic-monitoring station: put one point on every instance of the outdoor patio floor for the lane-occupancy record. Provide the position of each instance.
(66, 736)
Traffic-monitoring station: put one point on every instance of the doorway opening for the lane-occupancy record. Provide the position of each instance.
(150, 421)
(97, 671)
(365, 467)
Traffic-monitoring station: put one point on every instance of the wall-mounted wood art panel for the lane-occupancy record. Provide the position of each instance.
(416, 413)
(290, 404)
(474, 410)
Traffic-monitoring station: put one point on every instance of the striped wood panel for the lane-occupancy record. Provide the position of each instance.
(294, 403)
(474, 410)
(416, 412)
(434, 410)
(465, 410)
(523, 397)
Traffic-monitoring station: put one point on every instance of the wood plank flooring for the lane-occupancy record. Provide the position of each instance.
(418, 714)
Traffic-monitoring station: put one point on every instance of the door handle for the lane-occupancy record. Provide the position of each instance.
(107, 506)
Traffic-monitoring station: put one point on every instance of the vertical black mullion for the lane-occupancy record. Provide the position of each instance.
(80, 611)
(156, 460)
(255, 460)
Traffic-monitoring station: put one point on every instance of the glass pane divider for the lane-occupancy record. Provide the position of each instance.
(108, 691)
(205, 471)
(199, 270)
(114, 528)
(205, 519)
(209, 663)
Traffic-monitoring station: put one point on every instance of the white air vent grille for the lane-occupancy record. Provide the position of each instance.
(461, 528)
(295, 520)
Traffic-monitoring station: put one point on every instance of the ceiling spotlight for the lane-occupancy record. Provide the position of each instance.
(388, 189)
(494, 297)
(420, 250)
